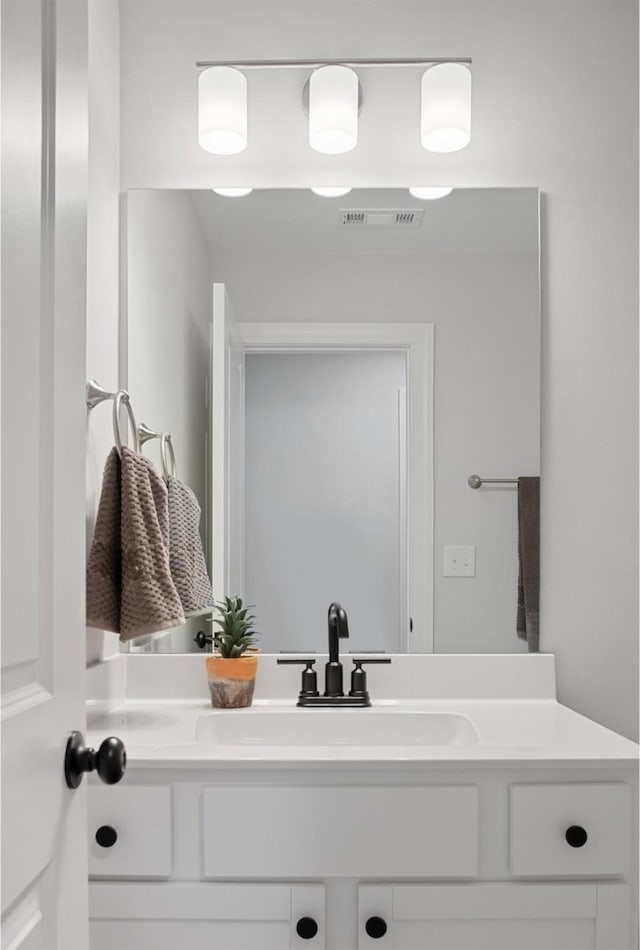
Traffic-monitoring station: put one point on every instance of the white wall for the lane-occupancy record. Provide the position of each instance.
(102, 257)
(322, 481)
(485, 309)
(166, 351)
(555, 85)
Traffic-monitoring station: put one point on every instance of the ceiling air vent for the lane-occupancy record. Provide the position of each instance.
(381, 217)
(354, 218)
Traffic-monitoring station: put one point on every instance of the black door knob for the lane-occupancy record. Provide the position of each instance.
(576, 836)
(376, 927)
(306, 928)
(106, 836)
(201, 639)
(110, 761)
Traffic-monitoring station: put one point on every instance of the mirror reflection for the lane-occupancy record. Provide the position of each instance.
(332, 371)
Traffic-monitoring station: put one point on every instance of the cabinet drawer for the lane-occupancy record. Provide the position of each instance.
(139, 819)
(341, 831)
(574, 830)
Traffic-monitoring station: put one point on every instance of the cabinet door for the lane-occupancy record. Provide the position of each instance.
(494, 916)
(138, 822)
(203, 916)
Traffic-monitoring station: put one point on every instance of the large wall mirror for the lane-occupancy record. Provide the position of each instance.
(332, 370)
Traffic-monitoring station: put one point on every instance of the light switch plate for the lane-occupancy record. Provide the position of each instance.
(459, 560)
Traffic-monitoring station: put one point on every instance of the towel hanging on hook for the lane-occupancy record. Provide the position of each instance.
(186, 556)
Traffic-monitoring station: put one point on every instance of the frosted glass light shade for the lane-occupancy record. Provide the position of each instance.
(222, 110)
(232, 192)
(333, 109)
(429, 193)
(446, 107)
(331, 191)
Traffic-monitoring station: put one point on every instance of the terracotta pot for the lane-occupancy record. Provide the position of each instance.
(231, 680)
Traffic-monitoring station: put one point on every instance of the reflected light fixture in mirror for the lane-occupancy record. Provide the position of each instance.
(331, 191)
(333, 109)
(446, 107)
(429, 193)
(232, 192)
(222, 110)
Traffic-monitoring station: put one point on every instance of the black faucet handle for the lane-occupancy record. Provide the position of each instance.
(309, 685)
(359, 677)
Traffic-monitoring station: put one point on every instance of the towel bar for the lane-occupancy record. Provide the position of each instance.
(474, 481)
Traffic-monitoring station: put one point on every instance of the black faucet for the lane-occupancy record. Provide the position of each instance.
(338, 630)
(334, 693)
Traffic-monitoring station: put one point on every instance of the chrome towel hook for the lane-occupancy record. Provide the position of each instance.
(97, 394)
(167, 454)
(166, 448)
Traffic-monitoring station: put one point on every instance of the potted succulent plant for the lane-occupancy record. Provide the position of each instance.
(232, 667)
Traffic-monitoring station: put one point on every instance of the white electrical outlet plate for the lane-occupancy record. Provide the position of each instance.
(459, 560)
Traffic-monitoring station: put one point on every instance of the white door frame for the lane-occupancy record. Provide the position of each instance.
(416, 341)
(227, 445)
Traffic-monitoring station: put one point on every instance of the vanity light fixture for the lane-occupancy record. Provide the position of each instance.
(334, 96)
(331, 191)
(446, 107)
(429, 193)
(232, 192)
(332, 99)
(222, 110)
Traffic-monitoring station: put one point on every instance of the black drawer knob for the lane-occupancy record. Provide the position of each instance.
(306, 928)
(376, 927)
(106, 836)
(576, 836)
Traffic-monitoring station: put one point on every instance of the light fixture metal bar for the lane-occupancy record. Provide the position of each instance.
(313, 63)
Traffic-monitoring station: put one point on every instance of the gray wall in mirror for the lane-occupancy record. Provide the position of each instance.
(471, 269)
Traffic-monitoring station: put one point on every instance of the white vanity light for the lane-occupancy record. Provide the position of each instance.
(232, 192)
(222, 110)
(429, 193)
(331, 191)
(333, 109)
(446, 107)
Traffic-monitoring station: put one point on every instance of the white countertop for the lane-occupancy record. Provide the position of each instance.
(161, 733)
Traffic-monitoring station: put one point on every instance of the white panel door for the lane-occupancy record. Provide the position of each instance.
(227, 449)
(44, 186)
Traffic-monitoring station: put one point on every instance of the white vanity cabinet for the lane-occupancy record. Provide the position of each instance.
(412, 857)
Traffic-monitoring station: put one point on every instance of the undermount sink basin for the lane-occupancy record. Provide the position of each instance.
(334, 727)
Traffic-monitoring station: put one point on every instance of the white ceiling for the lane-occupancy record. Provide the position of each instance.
(468, 221)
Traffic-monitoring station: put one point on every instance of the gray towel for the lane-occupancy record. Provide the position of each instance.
(186, 557)
(129, 586)
(104, 567)
(528, 619)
